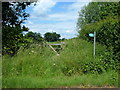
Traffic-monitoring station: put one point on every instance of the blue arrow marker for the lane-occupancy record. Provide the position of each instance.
(91, 34)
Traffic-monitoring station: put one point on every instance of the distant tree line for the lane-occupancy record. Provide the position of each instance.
(48, 36)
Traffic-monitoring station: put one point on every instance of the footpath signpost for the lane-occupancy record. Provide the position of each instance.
(93, 35)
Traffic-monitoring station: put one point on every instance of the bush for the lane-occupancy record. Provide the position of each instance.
(77, 58)
(107, 33)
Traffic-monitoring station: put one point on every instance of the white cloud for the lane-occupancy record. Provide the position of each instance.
(69, 31)
(58, 17)
(77, 6)
(66, 25)
(62, 16)
(43, 7)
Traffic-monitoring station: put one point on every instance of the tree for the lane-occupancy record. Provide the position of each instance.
(96, 11)
(13, 15)
(34, 36)
(63, 39)
(51, 37)
(101, 17)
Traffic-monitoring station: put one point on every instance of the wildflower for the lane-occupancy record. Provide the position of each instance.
(32, 51)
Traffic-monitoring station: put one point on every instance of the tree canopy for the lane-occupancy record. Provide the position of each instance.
(51, 37)
(101, 17)
(96, 11)
(34, 36)
(13, 15)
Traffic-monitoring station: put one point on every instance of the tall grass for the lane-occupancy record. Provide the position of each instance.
(89, 80)
(38, 66)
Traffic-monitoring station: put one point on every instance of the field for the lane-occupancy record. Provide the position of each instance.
(39, 67)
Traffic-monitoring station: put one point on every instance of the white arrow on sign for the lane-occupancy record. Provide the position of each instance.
(91, 34)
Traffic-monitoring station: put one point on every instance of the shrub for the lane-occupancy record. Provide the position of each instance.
(108, 34)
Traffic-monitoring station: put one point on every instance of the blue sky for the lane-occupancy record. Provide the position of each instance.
(54, 16)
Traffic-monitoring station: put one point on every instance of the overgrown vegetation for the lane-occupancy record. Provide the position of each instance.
(74, 62)
(35, 65)
(103, 19)
(13, 15)
(105, 22)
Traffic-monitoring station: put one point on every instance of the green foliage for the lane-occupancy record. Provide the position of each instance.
(96, 11)
(51, 37)
(13, 15)
(74, 66)
(11, 38)
(102, 18)
(77, 58)
(31, 61)
(36, 37)
(105, 80)
(107, 34)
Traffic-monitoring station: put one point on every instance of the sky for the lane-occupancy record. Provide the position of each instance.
(54, 16)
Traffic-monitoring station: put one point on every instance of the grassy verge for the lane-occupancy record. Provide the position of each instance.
(90, 80)
(40, 67)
